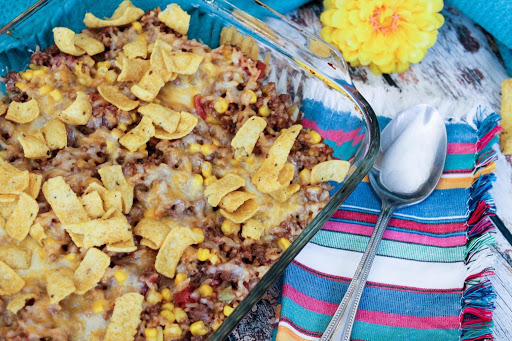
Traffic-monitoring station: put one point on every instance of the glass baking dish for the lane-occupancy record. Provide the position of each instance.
(310, 70)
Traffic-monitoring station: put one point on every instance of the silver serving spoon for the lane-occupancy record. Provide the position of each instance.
(407, 169)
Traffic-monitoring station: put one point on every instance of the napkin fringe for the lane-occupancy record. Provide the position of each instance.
(479, 295)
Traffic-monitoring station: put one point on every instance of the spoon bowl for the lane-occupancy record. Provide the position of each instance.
(411, 158)
(408, 168)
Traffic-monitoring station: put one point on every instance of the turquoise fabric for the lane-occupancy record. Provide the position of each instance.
(493, 15)
(11, 9)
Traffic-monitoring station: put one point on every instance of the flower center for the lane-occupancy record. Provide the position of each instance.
(384, 19)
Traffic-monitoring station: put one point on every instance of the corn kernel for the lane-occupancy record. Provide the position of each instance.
(27, 75)
(199, 235)
(166, 294)
(173, 331)
(121, 276)
(208, 149)
(216, 143)
(197, 180)
(149, 213)
(228, 310)
(56, 95)
(150, 332)
(39, 73)
(251, 96)
(102, 71)
(206, 169)
(194, 148)
(180, 314)
(203, 254)
(221, 105)
(198, 328)
(45, 89)
(314, 137)
(137, 26)
(283, 243)
(21, 85)
(214, 259)
(207, 67)
(210, 180)
(235, 162)
(264, 111)
(142, 37)
(229, 227)
(111, 76)
(216, 325)
(84, 80)
(167, 306)
(71, 257)
(105, 64)
(81, 163)
(122, 127)
(180, 278)
(34, 67)
(168, 315)
(154, 297)
(210, 119)
(305, 176)
(251, 160)
(98, 307)
(205, 290)
(116, 133)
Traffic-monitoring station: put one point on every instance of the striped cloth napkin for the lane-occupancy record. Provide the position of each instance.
(430, 279)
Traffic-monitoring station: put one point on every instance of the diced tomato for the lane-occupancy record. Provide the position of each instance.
(199, 107)
(262, 67)
(183, 297)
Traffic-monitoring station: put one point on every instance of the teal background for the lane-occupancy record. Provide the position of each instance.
(495, 16)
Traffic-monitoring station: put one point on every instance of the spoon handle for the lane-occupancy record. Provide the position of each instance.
(340, 327)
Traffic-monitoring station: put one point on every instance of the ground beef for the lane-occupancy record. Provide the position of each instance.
(43, 58)
(174, 209)
(136, 214)
(290, 226)
(15, 94)
(200, 313)
(258, 252)
(306, 155)
(148, 278)
(106, 115)
(150, 19)
(150, 316)
(21, 97)
(278, 104)
(63, 59)
(317, 194)
(106, 35)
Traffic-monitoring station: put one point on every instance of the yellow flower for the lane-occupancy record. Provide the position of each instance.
(386, 35)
